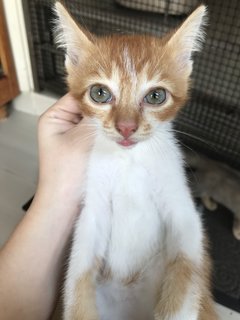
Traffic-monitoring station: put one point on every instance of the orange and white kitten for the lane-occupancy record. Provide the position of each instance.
(138, 248)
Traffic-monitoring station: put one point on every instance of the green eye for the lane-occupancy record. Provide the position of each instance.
(156, 96)
(100, 94)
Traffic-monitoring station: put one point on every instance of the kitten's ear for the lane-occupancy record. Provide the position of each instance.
(188, 38)
(69, 36)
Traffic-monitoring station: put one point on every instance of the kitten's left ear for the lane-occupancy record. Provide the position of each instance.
(70, 36)
(187, 39)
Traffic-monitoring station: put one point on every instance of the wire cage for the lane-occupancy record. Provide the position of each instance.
(210, 120)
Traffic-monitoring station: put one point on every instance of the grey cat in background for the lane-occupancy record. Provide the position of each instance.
(214, 183)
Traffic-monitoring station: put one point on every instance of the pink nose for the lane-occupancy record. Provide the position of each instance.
(126, 128)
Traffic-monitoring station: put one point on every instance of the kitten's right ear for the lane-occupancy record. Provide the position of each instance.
(187, 39)
(69, 36)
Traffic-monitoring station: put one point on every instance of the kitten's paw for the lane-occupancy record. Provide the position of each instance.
(236, 229)
(209, 203)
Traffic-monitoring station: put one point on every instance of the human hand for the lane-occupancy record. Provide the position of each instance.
(65, 140)
(34, 254)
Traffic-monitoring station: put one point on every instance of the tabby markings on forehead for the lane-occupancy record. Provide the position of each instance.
(129, 63)
(139, 85)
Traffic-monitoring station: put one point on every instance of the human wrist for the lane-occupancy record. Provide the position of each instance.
(59, 201)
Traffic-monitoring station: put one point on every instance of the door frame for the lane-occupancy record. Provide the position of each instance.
(14, 16)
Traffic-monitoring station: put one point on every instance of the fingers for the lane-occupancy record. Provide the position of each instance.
(68, 104)
(86, 126)
(61, 115)
(84, 133)
(65, 110)
(65, 117)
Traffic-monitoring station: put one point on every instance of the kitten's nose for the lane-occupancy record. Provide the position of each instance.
(126, 128)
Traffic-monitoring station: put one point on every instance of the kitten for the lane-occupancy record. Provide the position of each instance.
(138, 249)
(215, 183)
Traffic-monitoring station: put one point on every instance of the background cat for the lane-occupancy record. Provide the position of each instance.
(215, 183)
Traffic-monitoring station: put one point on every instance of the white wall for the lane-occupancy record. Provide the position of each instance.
(18, 39)
(28, 101)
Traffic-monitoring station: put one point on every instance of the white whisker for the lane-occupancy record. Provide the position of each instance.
(194, 137)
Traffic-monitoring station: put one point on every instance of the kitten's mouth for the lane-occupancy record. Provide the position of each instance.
(126, 142)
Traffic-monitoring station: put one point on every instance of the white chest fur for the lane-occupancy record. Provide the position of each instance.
(136, 214)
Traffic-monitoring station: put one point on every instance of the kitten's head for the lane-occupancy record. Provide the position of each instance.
(129, 84)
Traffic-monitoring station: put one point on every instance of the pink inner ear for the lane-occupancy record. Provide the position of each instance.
(71, 57)
(184, 60)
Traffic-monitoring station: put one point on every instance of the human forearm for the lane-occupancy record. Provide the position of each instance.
(31, 261)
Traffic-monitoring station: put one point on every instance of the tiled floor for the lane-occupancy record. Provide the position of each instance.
(18, 176)
(18, 168)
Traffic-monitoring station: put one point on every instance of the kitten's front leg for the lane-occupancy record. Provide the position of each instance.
(179, 298)
(84, 300)
(79, 293)
(185, 293)
(185, 290)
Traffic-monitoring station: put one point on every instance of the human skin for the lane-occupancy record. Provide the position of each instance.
(31, 261)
